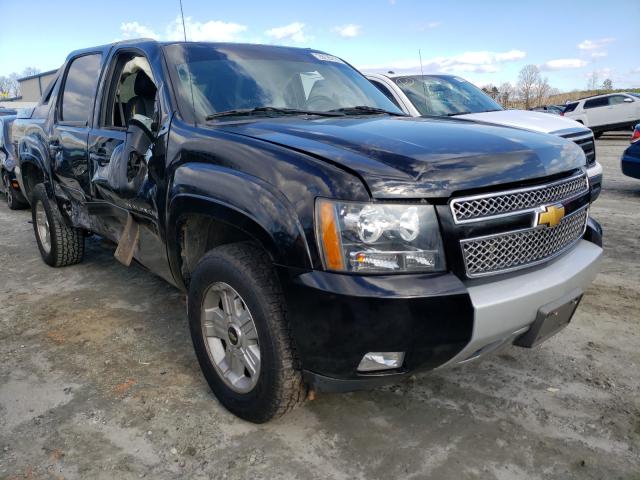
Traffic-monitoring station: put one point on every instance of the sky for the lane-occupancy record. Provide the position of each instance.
(485, 42)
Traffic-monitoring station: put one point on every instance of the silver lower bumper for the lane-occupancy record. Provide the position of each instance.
(504, 309)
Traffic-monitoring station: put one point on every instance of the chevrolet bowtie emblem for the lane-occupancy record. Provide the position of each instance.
(550, 215)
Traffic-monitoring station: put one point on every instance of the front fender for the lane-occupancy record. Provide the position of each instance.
(240, 200)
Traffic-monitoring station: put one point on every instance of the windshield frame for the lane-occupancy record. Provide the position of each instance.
(493, 105)
(177, 54)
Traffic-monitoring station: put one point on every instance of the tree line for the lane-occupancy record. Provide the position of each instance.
(533, 90)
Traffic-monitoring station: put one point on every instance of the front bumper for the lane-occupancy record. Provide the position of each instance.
(595, 180)
(437, 320)
(504, 309)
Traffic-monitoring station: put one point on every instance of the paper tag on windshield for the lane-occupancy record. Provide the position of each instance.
(326, 57)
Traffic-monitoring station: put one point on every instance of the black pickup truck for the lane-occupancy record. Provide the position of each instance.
(326, 241)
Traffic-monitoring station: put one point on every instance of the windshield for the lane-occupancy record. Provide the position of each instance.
(211, 79)
(445, 95)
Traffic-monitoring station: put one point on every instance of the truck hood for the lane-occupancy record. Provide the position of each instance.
(536, 121)
(404, 157)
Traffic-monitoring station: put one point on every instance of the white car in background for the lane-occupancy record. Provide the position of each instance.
(601, 113)
(450, 95)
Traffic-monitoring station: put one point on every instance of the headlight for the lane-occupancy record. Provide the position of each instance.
(378, 237)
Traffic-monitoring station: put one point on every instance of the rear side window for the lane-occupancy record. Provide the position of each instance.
(596, 102)
(570, 107)
(80, 89)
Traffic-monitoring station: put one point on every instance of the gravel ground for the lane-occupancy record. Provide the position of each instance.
(98, 380)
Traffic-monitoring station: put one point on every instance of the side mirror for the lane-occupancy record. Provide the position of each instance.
(628, 100)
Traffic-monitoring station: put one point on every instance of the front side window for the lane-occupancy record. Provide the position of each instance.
(80, 89)
(445, 95)
(596, 102)
(132, 92)
(211, 79)
(616, 99)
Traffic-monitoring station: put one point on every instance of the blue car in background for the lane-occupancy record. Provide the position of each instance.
(631, 156)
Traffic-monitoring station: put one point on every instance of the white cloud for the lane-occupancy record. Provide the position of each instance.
(135, 30)
(598, 54)
(563, 64)
(348, 31)
(293, 32)
(595, 44)
(474, 61)
(212, 31)
(433, 24)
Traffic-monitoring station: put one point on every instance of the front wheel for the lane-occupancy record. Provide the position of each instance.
(59, 244)
(239, 332)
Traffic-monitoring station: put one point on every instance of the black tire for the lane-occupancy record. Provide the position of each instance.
(249, 271)
(14, 202)
(66, 244)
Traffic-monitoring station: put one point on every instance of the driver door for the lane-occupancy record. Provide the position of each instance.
(124, 190)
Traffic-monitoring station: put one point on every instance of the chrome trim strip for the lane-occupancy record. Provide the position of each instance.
(577, 139)
(526, 265)
(454, 201)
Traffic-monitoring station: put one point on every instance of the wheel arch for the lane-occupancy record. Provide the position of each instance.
(32, 159)
(211, 206)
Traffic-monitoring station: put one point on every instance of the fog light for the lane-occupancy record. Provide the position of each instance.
(373, 361)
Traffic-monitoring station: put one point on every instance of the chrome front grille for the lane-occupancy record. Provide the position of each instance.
(522, 248)
(480, 207)
(587, 143)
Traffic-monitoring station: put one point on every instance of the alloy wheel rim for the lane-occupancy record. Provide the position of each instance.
(7, 188)
(42, 227)
(231, 338)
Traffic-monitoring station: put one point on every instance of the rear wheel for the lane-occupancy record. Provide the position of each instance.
(59, 244)
(239, 331)
(14, 202)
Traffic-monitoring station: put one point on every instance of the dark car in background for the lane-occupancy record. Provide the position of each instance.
(631, 156)
(9, 185)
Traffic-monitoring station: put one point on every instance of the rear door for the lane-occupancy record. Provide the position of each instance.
(70, 131)
(598, 111)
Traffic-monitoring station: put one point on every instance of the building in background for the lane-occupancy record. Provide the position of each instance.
(33, 86)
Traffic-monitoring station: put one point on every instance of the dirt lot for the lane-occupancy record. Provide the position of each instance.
(98, 380)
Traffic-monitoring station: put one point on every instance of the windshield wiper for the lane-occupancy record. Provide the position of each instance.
(268, 110)
(457, 113)
(365, 110)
